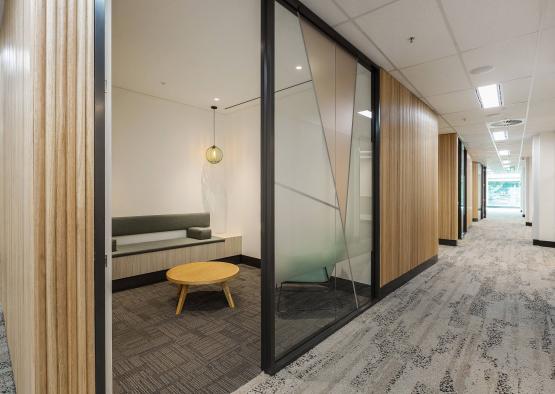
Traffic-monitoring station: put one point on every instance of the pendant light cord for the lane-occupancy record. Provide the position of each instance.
(214, 125)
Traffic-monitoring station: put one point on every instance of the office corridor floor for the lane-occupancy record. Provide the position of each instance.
(481, 320)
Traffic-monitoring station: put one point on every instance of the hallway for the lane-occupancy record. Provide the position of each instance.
(480, 320)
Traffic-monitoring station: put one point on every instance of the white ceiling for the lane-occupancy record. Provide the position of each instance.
(188, 51)
(452, 37)
(191, 51)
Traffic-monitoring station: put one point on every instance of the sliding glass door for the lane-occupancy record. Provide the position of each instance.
(323, 166)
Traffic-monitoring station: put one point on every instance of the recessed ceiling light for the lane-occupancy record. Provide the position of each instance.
(299, 68)
(506, 162)
(216, 99)
(366, 113)
(481, 70)
(500, 135)
(489, 96)
(504, 153)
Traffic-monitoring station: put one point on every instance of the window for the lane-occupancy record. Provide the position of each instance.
(503, 190)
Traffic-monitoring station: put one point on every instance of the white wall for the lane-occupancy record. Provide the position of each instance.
(543, 162)
(242, 157)
(159, 165)
(529, 208)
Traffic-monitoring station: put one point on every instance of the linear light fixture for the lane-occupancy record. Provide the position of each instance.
(366, 113)
(506, 162)
(500, 135)
(489, 96)
(504, 153)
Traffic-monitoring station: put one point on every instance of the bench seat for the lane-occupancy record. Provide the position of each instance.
(155, 246)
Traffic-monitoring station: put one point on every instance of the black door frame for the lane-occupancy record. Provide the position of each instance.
(462, 184)
(484, 190)
(269, 363)
(99, 197)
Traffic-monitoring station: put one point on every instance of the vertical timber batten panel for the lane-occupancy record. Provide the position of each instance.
(469, 190)
(46, 198)
(408, 180)
(17, 251)
(448, 186)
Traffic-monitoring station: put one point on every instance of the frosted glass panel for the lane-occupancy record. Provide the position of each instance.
(359, 206)
(320, 245)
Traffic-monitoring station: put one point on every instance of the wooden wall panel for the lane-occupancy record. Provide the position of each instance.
(408, 181)
(17, 251)
(448, 186)
(475, 186)
(138, 264)
(469, 190)
(46, 240)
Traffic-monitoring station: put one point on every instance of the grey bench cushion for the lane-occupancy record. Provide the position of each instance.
(132, 225)
(155, 246)
(199, 232)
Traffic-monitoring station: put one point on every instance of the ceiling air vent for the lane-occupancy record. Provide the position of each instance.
(506, 123)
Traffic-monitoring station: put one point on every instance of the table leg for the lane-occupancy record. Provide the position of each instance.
(182, 296)
(227, 293)
(179, 290)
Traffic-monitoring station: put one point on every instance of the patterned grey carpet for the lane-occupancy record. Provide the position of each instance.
(7, 384)
(481, 320)
(209, 348)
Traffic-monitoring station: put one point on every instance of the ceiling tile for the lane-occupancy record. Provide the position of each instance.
(541, 117)
(511, 59)
(549, 15)
(390, 28)
(465, 118)
(516, 91)
(544, 87)
(492, 20)
(359, 40)
(546, 52)
(399, 77)
(454, 102)
(327, 10)
(355, 8)
(474, 129)
(438, 77)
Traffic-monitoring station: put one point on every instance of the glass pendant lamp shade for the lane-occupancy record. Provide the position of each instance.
(214, 154)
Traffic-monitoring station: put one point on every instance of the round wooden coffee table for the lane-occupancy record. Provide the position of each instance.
(202, 273)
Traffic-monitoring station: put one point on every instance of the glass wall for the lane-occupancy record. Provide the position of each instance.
(323, 178)
(503, 190)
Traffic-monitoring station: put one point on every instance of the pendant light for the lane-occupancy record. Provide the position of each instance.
(214, 154)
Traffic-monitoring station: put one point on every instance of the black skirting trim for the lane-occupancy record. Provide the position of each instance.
(529, 224)
(448, 242)
(400, 281)
(160, 276)
(475, 220)
(547, 244)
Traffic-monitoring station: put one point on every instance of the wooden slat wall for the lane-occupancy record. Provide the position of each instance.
(47, 193)
(469, 190)
(448, 186)
(408, 180)
(17, 252)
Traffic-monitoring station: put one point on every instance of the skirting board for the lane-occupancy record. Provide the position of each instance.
(160, 276)
(547, 244)
(448, 242)
(529, 224)
(400, 281)
(475, 219)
